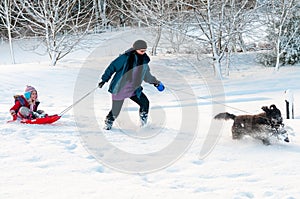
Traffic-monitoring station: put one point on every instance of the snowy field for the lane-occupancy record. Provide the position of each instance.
(62, 160)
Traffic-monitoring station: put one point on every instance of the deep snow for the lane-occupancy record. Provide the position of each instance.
(54, 161)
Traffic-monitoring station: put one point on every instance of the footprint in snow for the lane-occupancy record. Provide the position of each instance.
(71, 147)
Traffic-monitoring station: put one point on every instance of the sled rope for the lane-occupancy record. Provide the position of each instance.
(79, 100)
(216, 102)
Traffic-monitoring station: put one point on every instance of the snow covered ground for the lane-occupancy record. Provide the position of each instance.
(71, 158)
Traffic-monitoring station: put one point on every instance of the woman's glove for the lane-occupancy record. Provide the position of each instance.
(101, 84)
(160, 87)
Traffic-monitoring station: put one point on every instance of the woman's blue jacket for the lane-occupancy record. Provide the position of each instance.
(119, 67)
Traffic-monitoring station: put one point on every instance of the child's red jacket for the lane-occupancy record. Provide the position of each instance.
(21, 101)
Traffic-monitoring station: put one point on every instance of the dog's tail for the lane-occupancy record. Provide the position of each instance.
(225, 116)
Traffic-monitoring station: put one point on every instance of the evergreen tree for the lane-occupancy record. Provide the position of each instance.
(283, 34)
(290, 42)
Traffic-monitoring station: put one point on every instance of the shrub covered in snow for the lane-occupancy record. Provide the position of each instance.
(284, 36)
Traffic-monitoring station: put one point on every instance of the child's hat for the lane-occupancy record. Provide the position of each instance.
(29, 89)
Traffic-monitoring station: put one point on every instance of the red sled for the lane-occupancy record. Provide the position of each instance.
(45, 120)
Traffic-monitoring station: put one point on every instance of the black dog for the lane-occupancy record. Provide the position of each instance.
(260, 126)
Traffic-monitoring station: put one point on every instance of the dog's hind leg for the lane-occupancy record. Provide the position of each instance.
(237, 130)
(236, 134)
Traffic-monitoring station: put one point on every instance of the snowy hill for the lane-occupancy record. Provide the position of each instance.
(62, 160)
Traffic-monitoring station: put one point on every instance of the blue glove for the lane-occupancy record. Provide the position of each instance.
(160, 87)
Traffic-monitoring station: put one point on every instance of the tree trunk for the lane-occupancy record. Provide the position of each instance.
(217, 66)
(54, 59)
(277, 54)
(157, 39)
(8, 26)
(242, 43)
(216, 62)
(228, 56)
(12, 55)
(97, 15)
(102, 8)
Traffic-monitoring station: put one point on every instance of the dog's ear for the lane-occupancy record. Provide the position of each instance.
(265, 108)
(272, 107)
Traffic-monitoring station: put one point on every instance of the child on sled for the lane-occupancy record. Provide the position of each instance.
(26, 105)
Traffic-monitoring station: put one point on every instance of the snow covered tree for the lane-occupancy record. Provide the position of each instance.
(290, 43)
(61, 23)
(177, 24)
(156, 14)
(8, 19)
(283, 32)
(100, 13)
(220, 23)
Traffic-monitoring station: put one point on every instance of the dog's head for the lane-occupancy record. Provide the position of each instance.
(273, 114)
